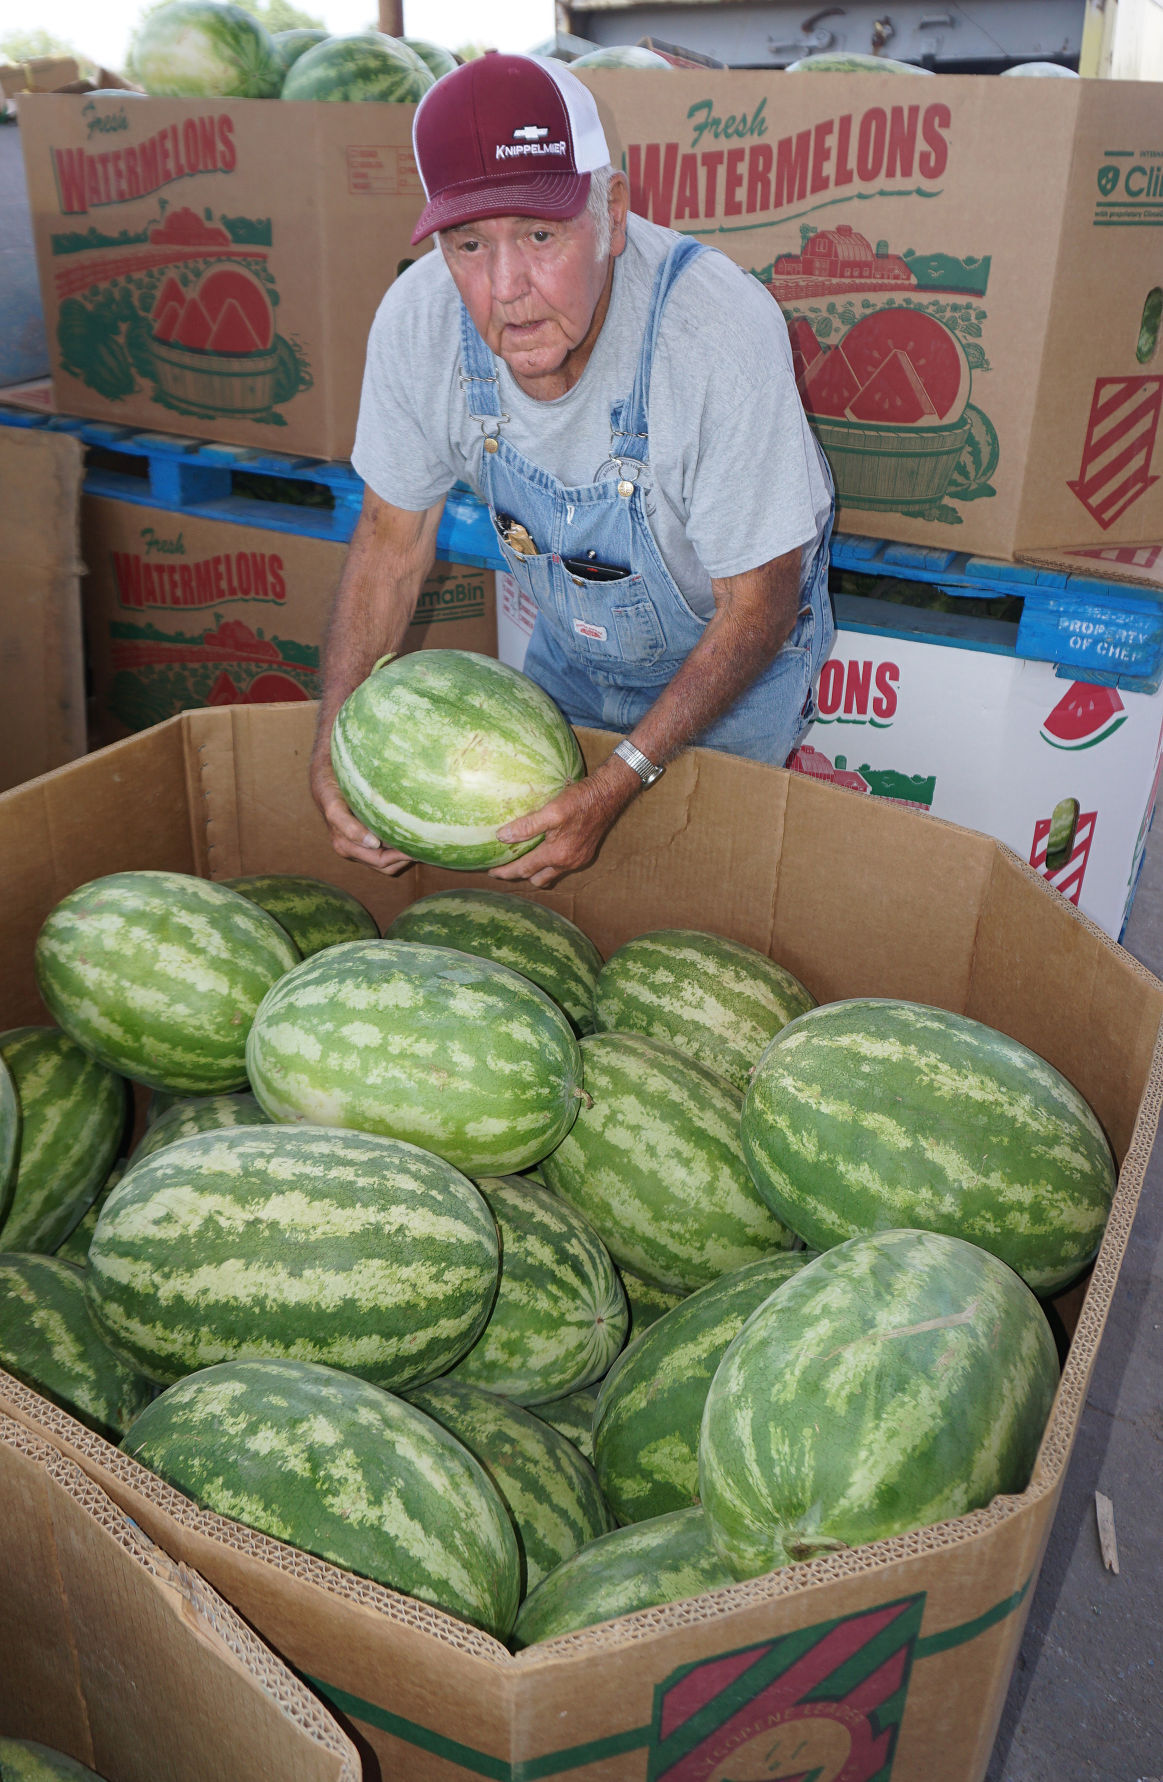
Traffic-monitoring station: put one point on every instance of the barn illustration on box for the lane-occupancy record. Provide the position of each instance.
(157, 674)
(885, 348)
(186, 308)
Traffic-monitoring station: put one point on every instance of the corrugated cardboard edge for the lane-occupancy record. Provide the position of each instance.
(202, 1609)
(1100, 569)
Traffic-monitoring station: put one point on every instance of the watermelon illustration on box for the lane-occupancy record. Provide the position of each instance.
(157, 673)
(183, 312)
(886, 385)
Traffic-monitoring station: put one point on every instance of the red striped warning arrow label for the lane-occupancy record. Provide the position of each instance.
(1120, 441)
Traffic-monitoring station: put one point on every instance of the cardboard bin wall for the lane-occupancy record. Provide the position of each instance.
(893, 1658)
(129, 1662)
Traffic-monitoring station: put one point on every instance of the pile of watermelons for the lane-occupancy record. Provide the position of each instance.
(538, 1287)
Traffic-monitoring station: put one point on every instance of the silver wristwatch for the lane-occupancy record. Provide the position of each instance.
(646, 770)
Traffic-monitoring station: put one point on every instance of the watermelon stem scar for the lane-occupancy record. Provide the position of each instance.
(582, 1096)
(810, 1546)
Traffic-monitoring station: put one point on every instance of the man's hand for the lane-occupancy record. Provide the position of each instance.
(575, 824)
(350, 837)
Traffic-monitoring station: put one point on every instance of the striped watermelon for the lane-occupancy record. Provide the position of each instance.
(364, 65)
(526, 936)
(560, 1314)
(572, 1417)
(715, 999)
(873, 1114)
(664, 1560)
(456, 1054)
(158, 975)
(303, 1242)
(621, 55)
(195, 48)
(23, 1760)
(438, 750)
(314, 913)
(9, 1137)
(646, 1425)
(656, 1167)
(434, 56)
(647, 1303)
(49, 1341)
(297, 41)
(72, 1117)
(341, 1469)
(76, 1246)
(899, 1379)
(852, 62)
(198, 1113)
(550, 1491)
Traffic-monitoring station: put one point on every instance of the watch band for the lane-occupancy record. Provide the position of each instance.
(644, 768)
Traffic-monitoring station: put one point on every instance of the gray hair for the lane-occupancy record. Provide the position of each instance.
(597, 206)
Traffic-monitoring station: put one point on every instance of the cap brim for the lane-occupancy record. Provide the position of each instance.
(550, 195)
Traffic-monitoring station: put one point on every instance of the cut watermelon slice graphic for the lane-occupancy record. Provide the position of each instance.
(893, 393)
(195, 327)
(805, 348)
(171, 292)
(168, 322)
(223, 285)
(829, 384)
(933, 353)
(1084, 716)
(232, 332)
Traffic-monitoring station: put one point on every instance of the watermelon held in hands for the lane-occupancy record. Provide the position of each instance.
(438, 750)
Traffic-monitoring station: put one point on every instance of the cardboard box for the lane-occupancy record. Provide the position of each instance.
(128, 1662)
(972, 733)
(891, 1660)
(212, 266)
(182, 611)
(42, 684)
(963, 267)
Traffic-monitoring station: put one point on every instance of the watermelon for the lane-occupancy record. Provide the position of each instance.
(647, 1303)
(159, 974)
(560, 1314)
(436, 751)
(302, 1242)
(76, 1246)
(897, 1380)
(314, 914)
(829, 384)
(72, 1118)
(23, 1760)
(48, 1340)
(1085, 715)
(295, 43)
(9, 1137)
(572, 1417)
(549, 1489)
(1048, 70)
(620, 55)
(198, 1113)
(908, 366)
(851, 62)
(650, 1407)
(435, 57)
(664, 1560)
(872, 1114)
(343, 1470)
(714, 999)
(526, 936)
(206, 49)
(365, 65)
(456, 1054)
(655, 1165)
(237, 311)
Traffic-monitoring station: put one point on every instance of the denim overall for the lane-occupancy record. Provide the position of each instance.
(604, 649)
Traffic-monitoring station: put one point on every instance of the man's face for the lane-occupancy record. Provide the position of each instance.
(533, 288)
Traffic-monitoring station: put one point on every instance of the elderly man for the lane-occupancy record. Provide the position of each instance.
(622, 397)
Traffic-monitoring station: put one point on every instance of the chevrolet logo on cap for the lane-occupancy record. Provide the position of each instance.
(530, 133)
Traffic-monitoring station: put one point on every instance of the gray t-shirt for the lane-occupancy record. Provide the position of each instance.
(736, 477)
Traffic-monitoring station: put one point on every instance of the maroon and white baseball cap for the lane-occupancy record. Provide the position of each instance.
(505, 136)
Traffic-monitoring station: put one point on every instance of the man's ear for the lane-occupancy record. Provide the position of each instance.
(619, 202)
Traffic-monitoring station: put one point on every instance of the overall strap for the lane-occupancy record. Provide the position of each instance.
(628, 417)
(478, 372)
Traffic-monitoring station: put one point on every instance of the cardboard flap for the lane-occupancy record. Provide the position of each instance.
(101, 1660)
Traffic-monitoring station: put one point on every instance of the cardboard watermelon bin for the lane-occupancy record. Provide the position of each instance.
(889, 1662)
(212, 266)
(127, 1660)
(183, 611)
(966, 270)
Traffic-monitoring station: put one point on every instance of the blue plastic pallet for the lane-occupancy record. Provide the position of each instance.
(197, 477)
(1090, 629)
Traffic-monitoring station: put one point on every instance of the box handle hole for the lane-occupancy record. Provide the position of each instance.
(1148, 344)
(1063, 827)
